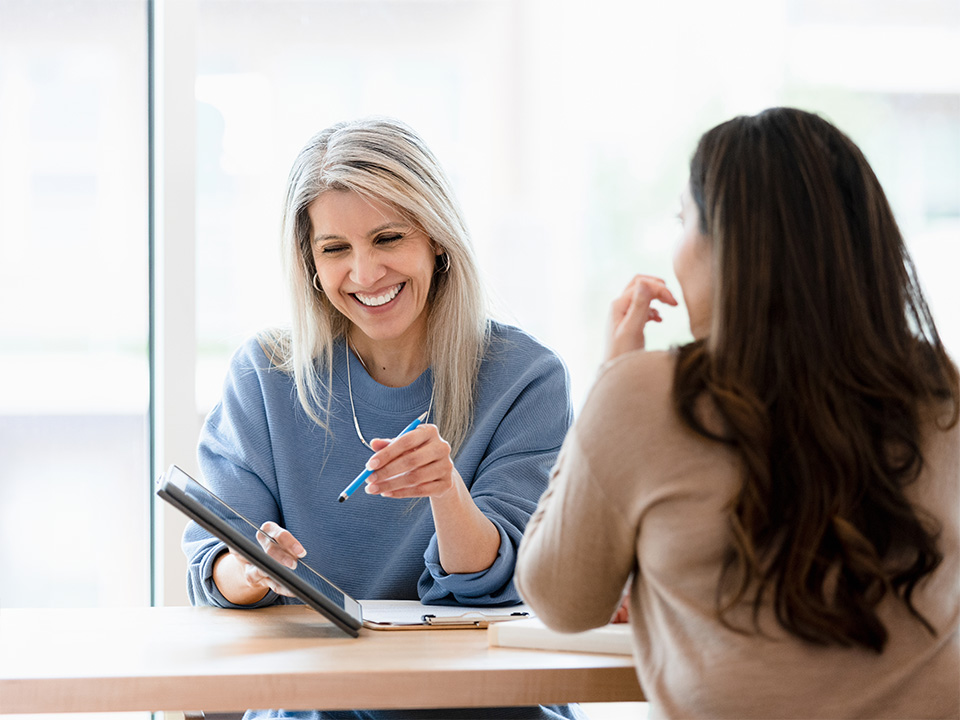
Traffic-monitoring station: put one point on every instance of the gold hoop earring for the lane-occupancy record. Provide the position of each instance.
(446, 264)
(316, 285)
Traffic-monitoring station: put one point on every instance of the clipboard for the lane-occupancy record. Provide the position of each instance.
(413, 615)
(240, 534)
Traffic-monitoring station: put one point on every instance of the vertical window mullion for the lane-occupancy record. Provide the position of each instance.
(174, 420)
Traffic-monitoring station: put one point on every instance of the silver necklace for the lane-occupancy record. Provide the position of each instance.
(356, 423)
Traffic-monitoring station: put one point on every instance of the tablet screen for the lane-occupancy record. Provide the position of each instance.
(240, 534)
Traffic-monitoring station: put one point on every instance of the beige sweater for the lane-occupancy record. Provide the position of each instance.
(637, 496)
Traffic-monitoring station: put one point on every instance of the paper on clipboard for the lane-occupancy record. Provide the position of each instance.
(414, 615)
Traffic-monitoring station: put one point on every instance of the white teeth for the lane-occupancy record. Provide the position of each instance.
(377, 300)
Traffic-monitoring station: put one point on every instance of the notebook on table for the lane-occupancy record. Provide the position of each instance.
(531, 633)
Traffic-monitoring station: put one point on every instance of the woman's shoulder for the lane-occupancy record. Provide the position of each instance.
(514, 360)
(263, 352)
(647, 371)
(509, 342)
(633, 389)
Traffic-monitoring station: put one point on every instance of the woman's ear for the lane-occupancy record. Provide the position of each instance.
(443, 258)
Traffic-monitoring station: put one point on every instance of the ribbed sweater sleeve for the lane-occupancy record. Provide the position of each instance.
(524, 415)
(235, 448)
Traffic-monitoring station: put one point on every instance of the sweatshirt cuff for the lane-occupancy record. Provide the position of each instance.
(492, 585)
(210, 589)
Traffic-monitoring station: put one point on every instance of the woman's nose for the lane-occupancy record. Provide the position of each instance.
(367, 269)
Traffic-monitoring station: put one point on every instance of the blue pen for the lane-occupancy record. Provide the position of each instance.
(352, 487)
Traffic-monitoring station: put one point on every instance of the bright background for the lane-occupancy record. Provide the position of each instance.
(566, 126)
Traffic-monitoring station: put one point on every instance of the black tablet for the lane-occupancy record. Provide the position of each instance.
(240, 534)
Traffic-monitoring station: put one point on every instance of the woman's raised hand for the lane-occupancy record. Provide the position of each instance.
(242, 582)
(630, 312)
(417, 464)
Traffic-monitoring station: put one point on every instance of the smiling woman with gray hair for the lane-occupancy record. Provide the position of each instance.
(389, 324)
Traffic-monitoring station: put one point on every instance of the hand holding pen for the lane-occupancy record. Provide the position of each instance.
(417, 463)
(378, 461)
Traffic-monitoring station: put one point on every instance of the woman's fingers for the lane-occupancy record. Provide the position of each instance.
(280, 544)
(256, 578)
(658, 286)
(433, 449)
(646, 289)
(394, 458)
(390, 450)
(621, 305)
(426, 479)
(415, 464)
(631, 311)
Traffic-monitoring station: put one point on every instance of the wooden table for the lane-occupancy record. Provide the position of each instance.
(182, 658)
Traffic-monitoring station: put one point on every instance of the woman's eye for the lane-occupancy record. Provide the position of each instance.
(389, 238)
(332, 249)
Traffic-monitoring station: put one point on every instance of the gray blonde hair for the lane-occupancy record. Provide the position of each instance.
(382, 159)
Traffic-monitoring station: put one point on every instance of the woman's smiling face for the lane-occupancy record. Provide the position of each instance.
(373, 265)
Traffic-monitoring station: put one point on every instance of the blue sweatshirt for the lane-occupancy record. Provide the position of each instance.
(261, 453)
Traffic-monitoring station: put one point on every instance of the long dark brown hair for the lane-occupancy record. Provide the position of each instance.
(821, 358)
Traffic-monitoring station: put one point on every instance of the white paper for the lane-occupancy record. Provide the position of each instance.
(411, 612)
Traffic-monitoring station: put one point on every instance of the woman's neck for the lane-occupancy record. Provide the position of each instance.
(395, 363)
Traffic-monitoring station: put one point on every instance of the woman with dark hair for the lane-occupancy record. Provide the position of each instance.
(782, 494)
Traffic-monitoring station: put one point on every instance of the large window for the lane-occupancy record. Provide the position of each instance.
(74, 381)
(566, 126)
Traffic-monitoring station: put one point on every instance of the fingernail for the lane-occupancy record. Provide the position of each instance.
(299, 551)
(371, 489)
(373, 463)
